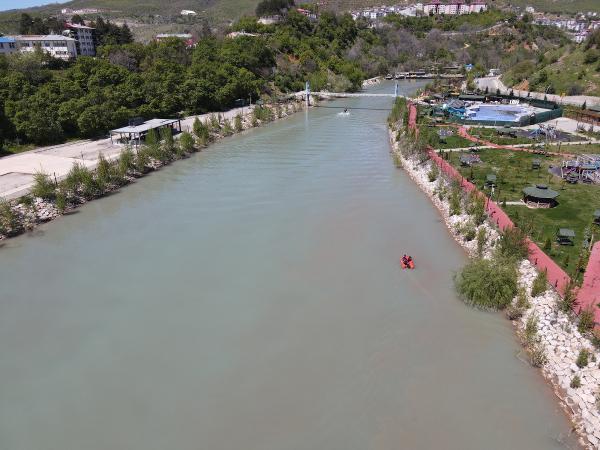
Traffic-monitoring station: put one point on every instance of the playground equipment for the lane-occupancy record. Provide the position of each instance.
(544, 132)
(585, 168)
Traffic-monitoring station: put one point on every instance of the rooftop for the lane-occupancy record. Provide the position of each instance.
(540, 191)
(566, 232)
(6, 39)
(46, 37)
(146, 126)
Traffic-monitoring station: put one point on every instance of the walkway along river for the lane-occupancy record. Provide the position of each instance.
(250, 297)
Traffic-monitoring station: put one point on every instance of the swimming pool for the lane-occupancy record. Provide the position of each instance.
(504, 113)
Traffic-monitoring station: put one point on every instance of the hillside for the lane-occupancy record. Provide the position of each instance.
(570, 69)
(142, 11)
(557, 6)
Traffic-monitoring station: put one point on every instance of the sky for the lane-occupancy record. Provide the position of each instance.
(16, 4)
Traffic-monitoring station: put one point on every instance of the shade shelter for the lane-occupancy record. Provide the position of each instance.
(597, 217)
(565, 236)
(134, 134)
(536, 163)
(469, 160)
(540, 196)
(490, 180)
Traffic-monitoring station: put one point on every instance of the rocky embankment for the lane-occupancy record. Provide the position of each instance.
(575, 379)
(24, 214)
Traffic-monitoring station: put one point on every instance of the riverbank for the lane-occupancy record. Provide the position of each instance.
(26, 211)
(556, 332)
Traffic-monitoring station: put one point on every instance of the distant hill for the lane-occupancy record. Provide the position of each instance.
(214, 10)
(556, 6)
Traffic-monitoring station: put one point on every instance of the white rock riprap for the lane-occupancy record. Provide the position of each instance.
(557, 332)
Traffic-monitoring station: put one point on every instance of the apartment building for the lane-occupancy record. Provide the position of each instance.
(84, 37)
(58, 46)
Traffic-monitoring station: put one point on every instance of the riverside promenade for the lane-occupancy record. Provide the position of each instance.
(17, 171)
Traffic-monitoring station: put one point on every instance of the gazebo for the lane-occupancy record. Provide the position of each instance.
(490, 180)
(565, 236)
(540, 196)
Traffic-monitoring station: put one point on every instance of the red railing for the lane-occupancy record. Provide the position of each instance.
(556, 275)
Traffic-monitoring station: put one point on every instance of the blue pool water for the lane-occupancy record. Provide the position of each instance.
(505, 113)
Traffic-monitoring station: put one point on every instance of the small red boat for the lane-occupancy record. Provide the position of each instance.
(407, 265)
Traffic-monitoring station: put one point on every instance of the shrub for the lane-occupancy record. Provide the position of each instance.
(105, 172)
(9, 221)
(469, 232)
(227, 129)
(531, 329)
(61, 201)
(522, 300)
(78, 179)
(576, 382)
(512, 244)
(142, 160)
(168, 143)
(583, 358)
(487, 284)
(237, 123)
(567, 303)
(537, 355)
(548, 244)
(186, 142)
(202, 132)
(455, 199)
(476, 208)
(514, 313)
(586, 321)
(540, 284)
(126, 161)
(215, 124)
(43, 186)
(482, 238)
(434, 172)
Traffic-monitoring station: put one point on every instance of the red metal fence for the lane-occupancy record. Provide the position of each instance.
(556, 275)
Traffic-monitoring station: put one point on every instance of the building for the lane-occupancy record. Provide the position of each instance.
(58, 46)
(188, 12)
(236, 34)
(85, 37)
(270, 20)
(7, 45)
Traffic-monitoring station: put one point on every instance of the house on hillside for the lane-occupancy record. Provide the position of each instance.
(186, 37)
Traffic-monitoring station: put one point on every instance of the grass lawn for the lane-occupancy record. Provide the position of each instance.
(575, 149)
(455, 141)
(577, 202)
(490, 134)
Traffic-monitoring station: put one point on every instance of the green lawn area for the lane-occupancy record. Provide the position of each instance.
(575, 149)
(454, 141)
(491, 134)
(576, 203)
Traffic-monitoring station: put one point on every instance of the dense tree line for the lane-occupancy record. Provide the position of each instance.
(44, 105)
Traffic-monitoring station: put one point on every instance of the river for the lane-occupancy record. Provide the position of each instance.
(250, 297)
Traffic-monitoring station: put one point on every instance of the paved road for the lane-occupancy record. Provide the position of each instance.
(16, 171)
(494, 83)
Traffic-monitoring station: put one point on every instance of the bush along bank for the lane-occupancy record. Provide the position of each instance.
(50, 198)
(500, 277)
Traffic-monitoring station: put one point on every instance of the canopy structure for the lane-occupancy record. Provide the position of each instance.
(490, 180)
(135, 133)
(597, 217)
(540, 196)
(565, 236)
(536, 163)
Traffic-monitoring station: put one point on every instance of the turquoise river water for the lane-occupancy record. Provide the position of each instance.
(250, 297)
